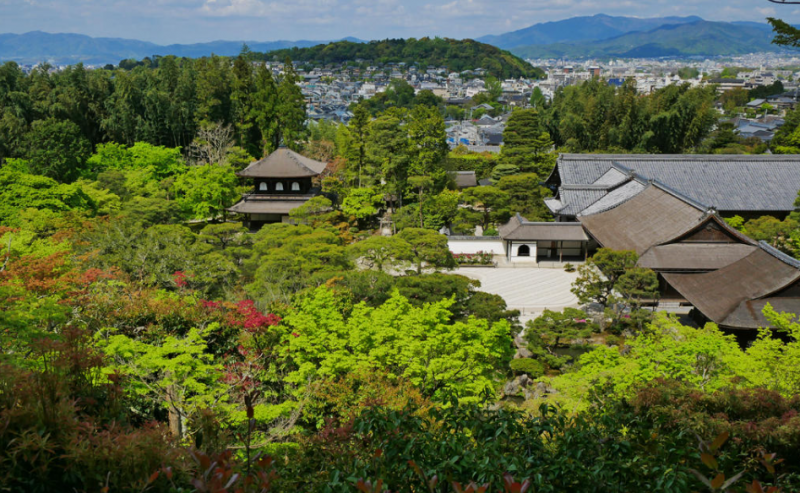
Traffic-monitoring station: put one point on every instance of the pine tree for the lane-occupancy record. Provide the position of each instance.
(525, 144)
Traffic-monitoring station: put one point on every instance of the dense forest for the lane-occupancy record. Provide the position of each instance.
(455, 55)
(148, 342)
(56, 118)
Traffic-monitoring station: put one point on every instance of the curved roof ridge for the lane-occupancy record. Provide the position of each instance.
(779, 254)
(680, 196)
(711, 215)
(294, 156)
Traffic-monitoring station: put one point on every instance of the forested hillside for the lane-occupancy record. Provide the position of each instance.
(455, 55)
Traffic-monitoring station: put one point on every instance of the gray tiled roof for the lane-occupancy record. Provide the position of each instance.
(574, 199)
(615, 197)
(611, 177)
(727, 183)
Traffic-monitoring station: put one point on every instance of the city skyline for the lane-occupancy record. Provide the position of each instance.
(195, 21)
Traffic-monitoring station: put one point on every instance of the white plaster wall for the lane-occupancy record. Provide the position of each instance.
(515, 252)
(495, 247)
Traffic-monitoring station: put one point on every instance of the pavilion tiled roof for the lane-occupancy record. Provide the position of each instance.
(283, 163)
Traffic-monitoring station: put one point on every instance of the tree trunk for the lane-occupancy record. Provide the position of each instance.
(174, 415)
(421, 222)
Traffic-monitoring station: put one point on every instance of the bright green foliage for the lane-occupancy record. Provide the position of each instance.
(526, 196)
(176, 374)
(19, 191)
(438, 210)
(783, 235)
(380, 252)
(486, 206)
(204, 191)
(106, 201)
(418, 344)
(158, 161)
(428, 249)
(525, 143)
(533, 368)
(666, 349)
(772, 362)
(361, 203)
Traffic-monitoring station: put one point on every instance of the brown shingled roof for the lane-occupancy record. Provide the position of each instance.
(694, 256)
(650, 218)
(719, 295)
(283, 163)
(519, 228)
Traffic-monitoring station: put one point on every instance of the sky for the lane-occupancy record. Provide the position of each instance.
(192, 21)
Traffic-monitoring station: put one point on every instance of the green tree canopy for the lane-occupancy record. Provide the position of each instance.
(419, 344)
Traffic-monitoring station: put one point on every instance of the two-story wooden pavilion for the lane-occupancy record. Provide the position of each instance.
(282, 181)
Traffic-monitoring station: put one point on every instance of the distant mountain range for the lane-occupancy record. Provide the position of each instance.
(37, 46)
(596, 27)
(700, 38)
(627, 37)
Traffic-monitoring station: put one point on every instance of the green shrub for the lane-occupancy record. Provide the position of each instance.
(534, 368)
(569, 267)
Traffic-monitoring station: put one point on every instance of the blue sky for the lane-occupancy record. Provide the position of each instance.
(189, 21)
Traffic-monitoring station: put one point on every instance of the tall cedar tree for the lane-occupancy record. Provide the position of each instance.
(291, 111)
(358, 130)
(427, 133)
(264, 109)
(387, 145)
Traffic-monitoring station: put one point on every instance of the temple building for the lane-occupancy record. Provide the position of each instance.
(748, 186)
(282, 181)
(701, 261)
